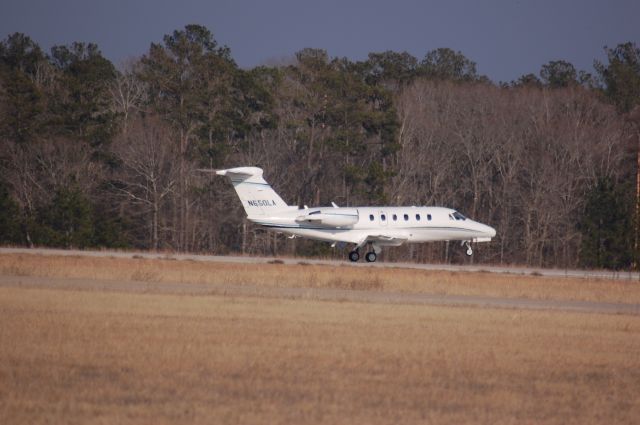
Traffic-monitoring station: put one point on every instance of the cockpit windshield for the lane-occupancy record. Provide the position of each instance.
(459, 216)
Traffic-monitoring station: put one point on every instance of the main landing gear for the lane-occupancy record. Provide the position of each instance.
(370, 256)
(354, 255)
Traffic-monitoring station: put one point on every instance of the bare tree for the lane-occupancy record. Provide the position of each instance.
(128, 92)
(520, 158)
(148, 174)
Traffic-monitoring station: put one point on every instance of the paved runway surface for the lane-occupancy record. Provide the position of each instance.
(590, 274)
(326, 294)
(320, 294)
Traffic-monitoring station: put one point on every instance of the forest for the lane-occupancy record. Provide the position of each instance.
(101, 155)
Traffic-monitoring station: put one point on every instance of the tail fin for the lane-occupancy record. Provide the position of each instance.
(257, 196)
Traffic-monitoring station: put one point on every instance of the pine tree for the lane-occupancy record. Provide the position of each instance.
(607, 227)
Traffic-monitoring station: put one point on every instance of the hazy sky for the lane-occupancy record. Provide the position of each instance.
(505, 38)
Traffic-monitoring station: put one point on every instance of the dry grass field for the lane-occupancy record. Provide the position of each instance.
(321, 276)
(90, 356)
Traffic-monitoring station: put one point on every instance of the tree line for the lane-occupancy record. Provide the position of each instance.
(94, 155)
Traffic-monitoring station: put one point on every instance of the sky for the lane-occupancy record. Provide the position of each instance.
(505, 38)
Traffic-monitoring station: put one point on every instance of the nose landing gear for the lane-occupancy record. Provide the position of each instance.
(469, 250)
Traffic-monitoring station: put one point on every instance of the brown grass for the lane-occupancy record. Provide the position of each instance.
(305, 275)
(79, 357)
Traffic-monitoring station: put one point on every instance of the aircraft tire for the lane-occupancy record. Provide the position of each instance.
(371, 257)
(354, 256)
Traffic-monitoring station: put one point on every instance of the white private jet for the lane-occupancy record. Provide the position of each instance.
(372, 226)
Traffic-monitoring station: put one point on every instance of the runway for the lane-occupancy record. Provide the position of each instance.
(317, 294)
(321, 294)
(587, 274)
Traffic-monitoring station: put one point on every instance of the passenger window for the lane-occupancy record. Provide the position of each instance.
(395, 217)
(383, 217)
(429, 217)
(406, 217)
(370, 217)
(418, 217)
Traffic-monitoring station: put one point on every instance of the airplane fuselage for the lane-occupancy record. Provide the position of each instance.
(353, 225)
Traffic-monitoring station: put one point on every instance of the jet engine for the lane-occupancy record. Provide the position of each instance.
(330, 217)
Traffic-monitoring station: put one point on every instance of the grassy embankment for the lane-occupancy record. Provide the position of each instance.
(96, 357)
(90, 356)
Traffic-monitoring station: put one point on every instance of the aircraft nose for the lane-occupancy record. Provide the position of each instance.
(487, 230)
(490, 231)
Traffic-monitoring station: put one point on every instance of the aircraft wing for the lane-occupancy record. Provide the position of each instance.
(382, 239)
